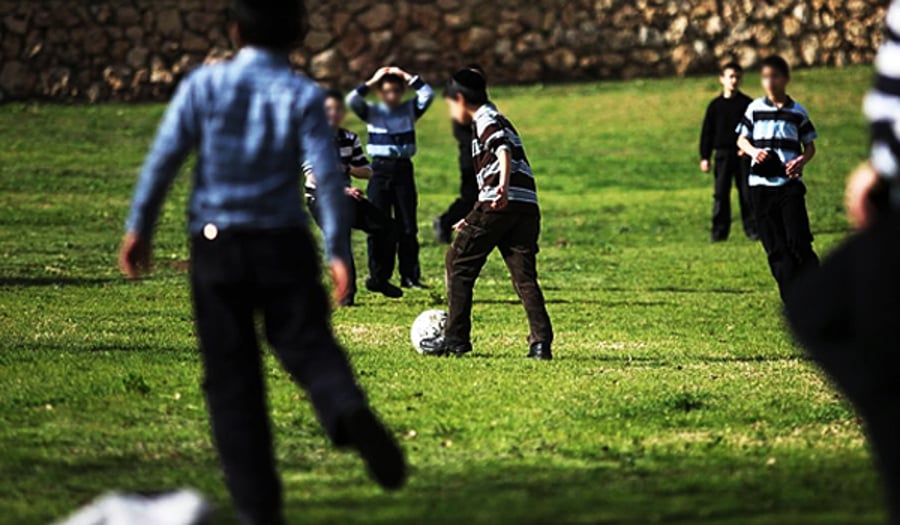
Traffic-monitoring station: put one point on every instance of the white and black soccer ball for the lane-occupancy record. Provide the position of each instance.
(428, 325)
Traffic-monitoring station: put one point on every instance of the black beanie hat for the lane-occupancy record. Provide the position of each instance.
(469, 84)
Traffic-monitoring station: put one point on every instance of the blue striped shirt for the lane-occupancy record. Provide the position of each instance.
(784, 130)
(252, 121)
(882, 105)
(392, 131)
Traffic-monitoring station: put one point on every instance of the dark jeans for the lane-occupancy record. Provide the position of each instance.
(846, 314)
(784, 231)
(392, 189)
(730, 167)
(277, 274)
(515, 231)
(366, 218)
(468, 196)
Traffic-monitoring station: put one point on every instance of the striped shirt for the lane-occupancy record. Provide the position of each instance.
(784, 130)
(882, 105)
(392, 131)
(351, 154)
(494, 133)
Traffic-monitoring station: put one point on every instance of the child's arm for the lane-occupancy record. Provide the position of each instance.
(359, 164)
(745, 136)
(808, 136)
(424, 93)
(356, 99)
(505, 159)
(707, 134)
(177, 136)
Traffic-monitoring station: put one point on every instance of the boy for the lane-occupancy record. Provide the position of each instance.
(468, 186)
(723, 115)
(392, 188)
(777, 135)
(506, 217)
(364, 216)
(846, 313)
(252, 121)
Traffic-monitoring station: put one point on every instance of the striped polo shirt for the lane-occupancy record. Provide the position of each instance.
(882, 104)
(392, 131)
(784, 130)
(492, 134)
(351, 154)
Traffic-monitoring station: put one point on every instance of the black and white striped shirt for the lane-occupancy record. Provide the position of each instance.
(882, 105)
(492, 134)
(351, 153)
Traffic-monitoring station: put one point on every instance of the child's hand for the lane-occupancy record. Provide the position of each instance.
(460, 225)
(356, 193)
(135, 256)
(795, 167)
(340, 276)
(382, 71)
(760, 156)
(502, 198)
(704, 165)
(859, 208)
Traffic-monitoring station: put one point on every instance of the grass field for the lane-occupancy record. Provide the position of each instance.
(676, 397)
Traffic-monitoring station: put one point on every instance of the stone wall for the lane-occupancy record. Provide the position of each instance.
(138, 49)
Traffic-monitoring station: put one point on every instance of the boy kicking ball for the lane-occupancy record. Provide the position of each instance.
(252, 122)
(506, 216)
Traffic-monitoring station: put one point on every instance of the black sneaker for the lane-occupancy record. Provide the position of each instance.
(412, 284)
(440, 346)
(384, 288)
(540, 352)
(376, 446)
(444, 235)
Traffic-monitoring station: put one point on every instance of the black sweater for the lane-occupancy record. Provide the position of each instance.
(463, 135)
(720, 124)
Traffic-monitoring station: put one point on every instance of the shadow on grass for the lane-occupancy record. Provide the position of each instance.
(27, 282)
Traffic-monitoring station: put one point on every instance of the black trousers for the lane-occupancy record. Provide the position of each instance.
(392, 189)
(277, 274)
(784, 231)
(468, 197)
(731, 168)
(515, 231)
(366, 218)
(846, 314)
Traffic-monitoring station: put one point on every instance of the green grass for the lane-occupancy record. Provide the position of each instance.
(677, 396)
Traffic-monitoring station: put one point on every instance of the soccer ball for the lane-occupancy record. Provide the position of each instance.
(429, 324)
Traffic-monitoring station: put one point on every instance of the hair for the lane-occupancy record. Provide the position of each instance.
(476, 67)
(335, 94)
(470, 84)
(275, 24)
(777, 63)
(391, 78)
(734, 66)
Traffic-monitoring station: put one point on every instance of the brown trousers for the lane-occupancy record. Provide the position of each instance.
(515, 231)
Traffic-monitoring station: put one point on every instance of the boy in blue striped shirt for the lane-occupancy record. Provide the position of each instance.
(778, 136)
(392, 144)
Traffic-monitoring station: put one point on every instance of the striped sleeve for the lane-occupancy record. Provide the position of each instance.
(495, 137)
(358, 159)
(745, 128)
(808, 133)
(882, 105)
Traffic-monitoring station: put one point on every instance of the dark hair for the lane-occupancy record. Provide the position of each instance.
(470, 84)
(777, 63)
(391, 78)
(476, 67)
(275, 24)
(335, 94)
(734, 66)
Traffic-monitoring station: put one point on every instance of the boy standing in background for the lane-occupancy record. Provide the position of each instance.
(253, 122)
(719, 134)
(778, 136)
(392, 188)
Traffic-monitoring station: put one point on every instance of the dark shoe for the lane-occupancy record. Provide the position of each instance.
(717, 238)
(412, 284)
(441, 346)
(443, 234)
(541, 352)
(384, 288)
(348, 302)
(376, 446)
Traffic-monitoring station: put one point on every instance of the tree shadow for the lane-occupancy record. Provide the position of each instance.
(28, 282)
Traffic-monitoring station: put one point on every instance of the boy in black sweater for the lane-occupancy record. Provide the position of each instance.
(719, 133)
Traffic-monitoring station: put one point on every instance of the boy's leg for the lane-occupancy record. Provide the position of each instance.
(797, 231)
(468, 196)
(381, 247)
(406, 203)
(767, 204)
(465, 259)
(233, 383)
(721, 216)
(748, 218)
(519, 249)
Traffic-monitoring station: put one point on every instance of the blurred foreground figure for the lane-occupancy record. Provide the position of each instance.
(184, 507)
(846, 313)
(253, 123)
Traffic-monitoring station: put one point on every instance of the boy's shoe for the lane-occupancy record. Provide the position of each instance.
(540, 352)
(347, 302)
(384, 288)
(376, 446)
(444, 235)
(412, 284)
(441, 346)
